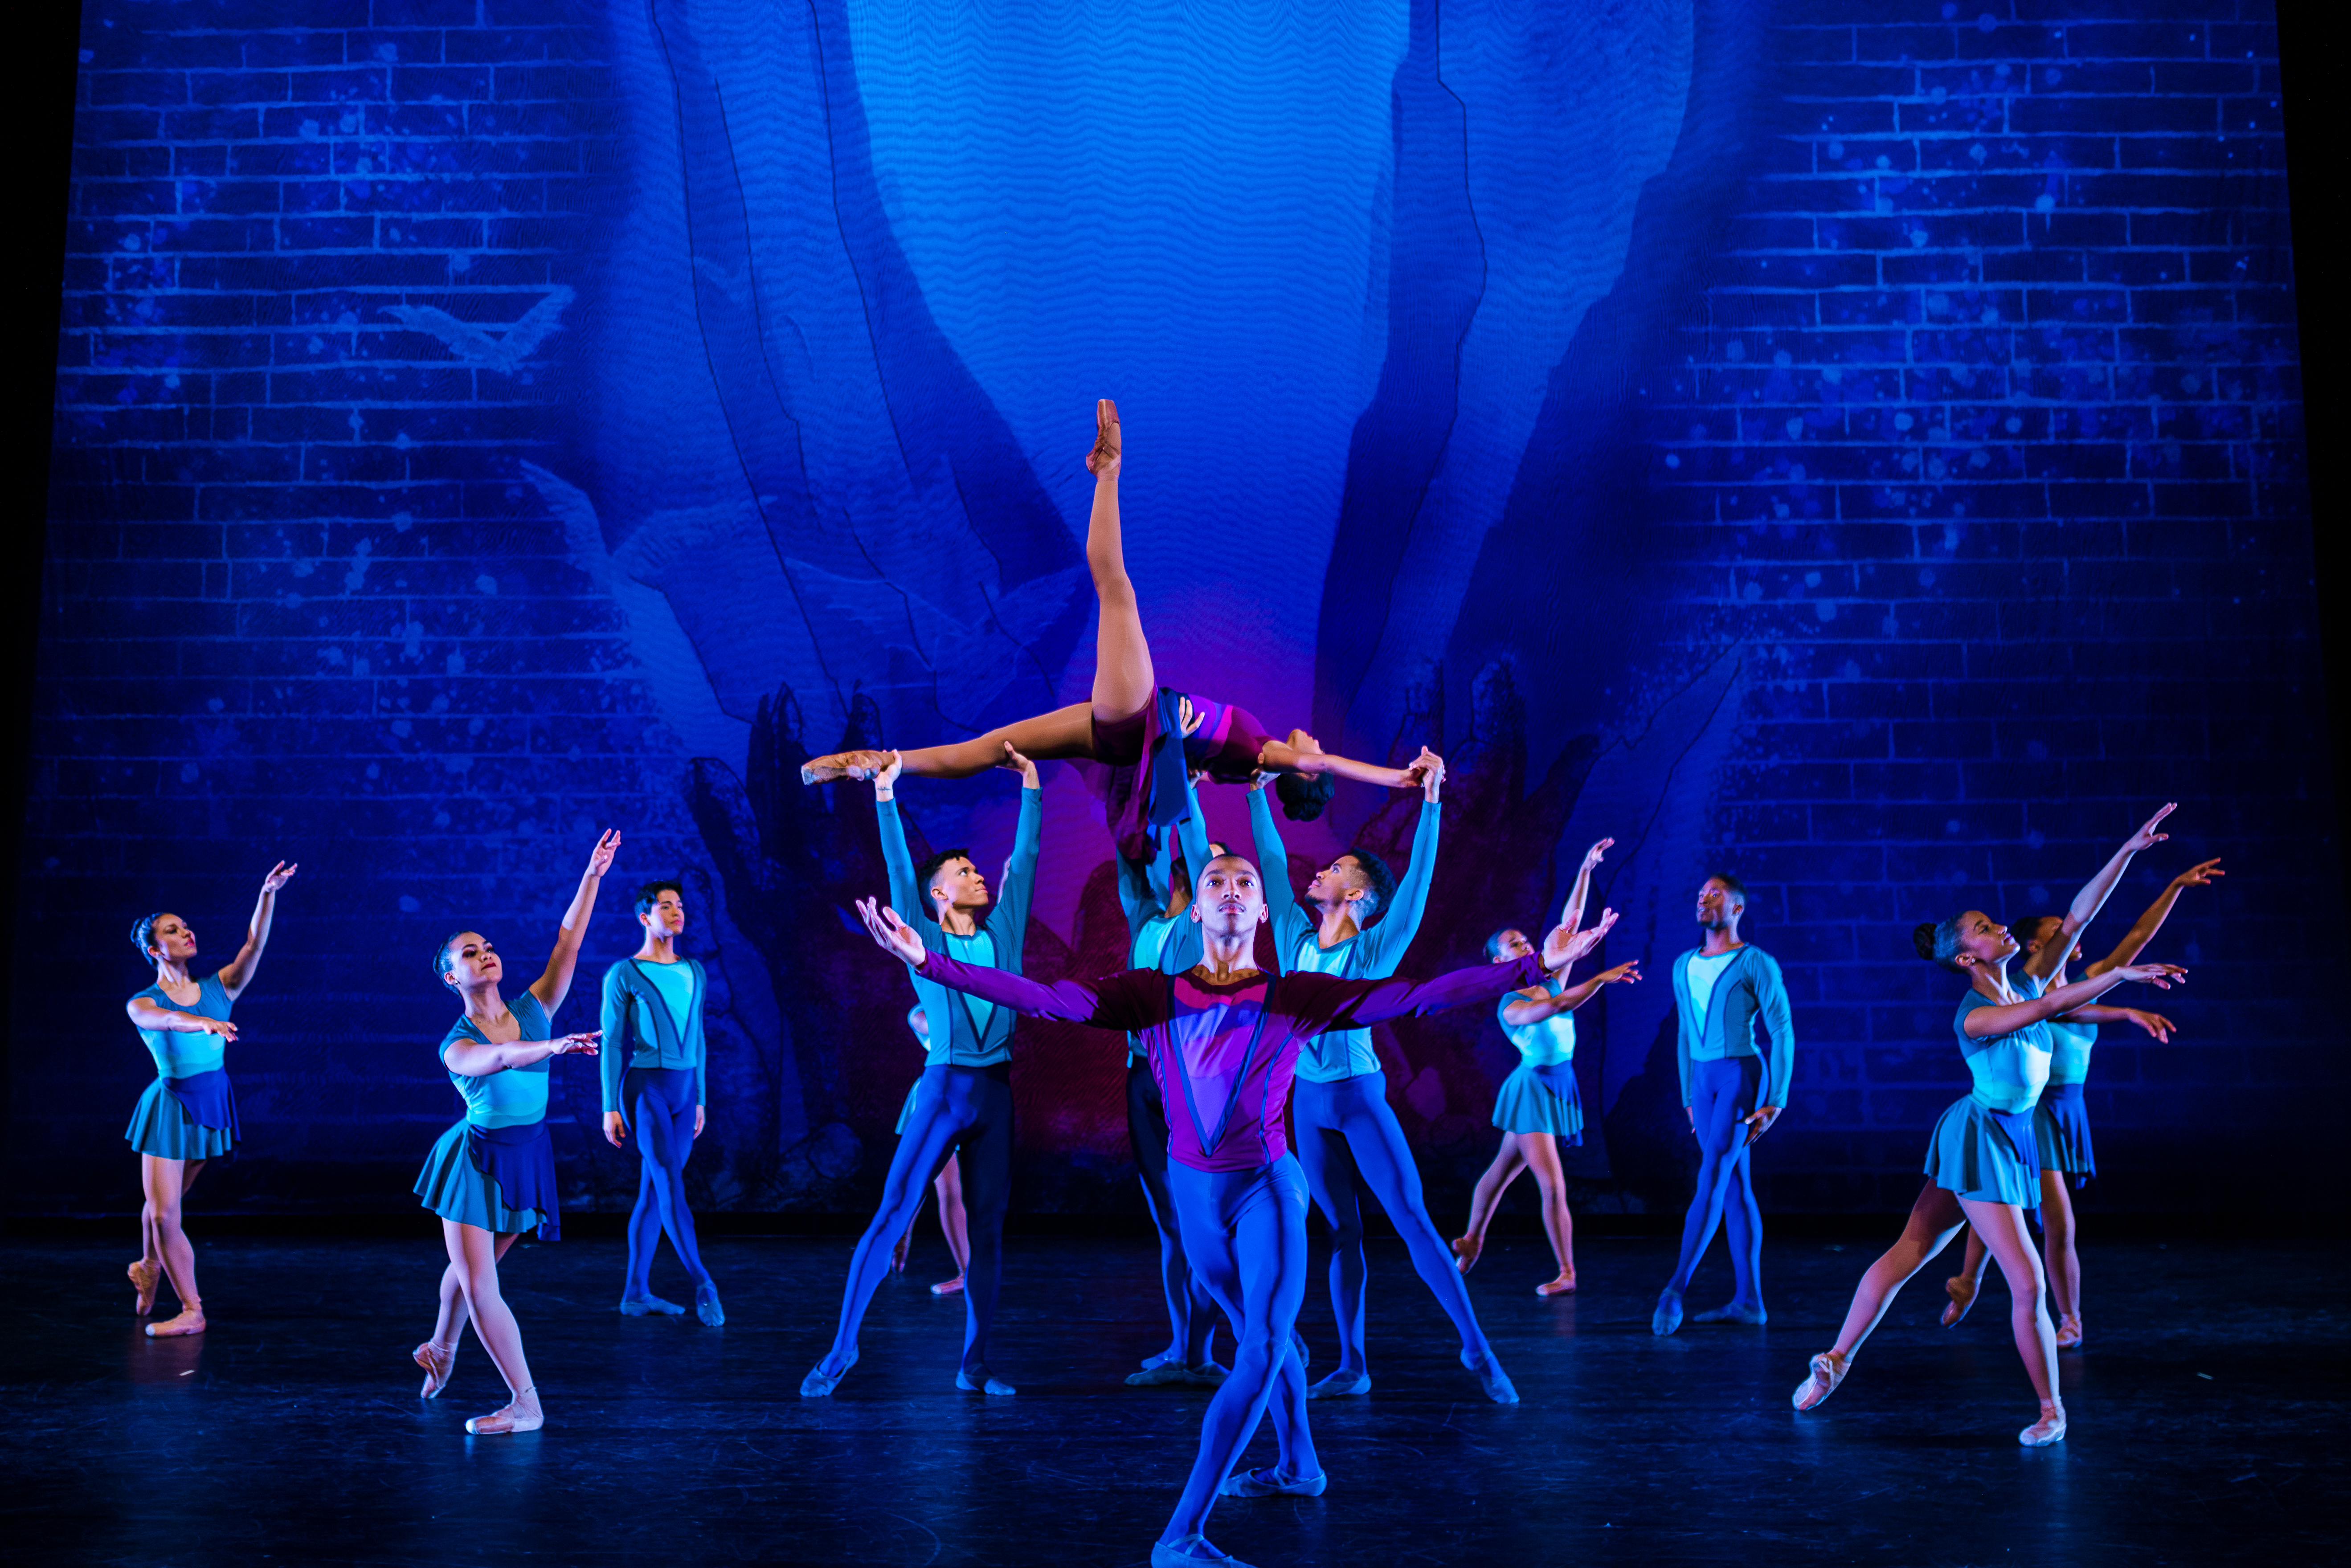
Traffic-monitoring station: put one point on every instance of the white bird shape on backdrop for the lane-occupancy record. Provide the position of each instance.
(471, 343)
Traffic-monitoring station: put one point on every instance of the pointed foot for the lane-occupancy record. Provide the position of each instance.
(707, 1307)
(1465, 1251)
(1962, 1291)
(1339, 1384)
(1828, 1370)
(1272, 1483)
(1735, 1313)
(2069, 1332)
(1190, 1551)
(819, 1382)
(844, 765)
(438, 1361)
(1491, 1377)
(948, 1287)
(144, 1277)
(1668, 1315)
(648, 1304)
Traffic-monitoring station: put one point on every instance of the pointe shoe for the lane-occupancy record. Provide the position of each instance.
(844, 765)
(1491, 1377)
(1339, 1383)
(948, 1287)
(1190, 1552)
(649, 1303)
(707, 1307)
(190, 1320)
(1465, 1251)
(1962, 1291)
(1828, 1370)
(144, 1277)
(820, 1383)
(1271, 1483)
(2049, 1428)
(2069, 1333)
(1565, 1285)
(498, 1423)
(1668, 1315)
(977, 1380)
(438, 1361)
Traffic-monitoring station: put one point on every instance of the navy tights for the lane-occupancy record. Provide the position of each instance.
(660, 1112)
(1725, 1092)
(1188, 1314)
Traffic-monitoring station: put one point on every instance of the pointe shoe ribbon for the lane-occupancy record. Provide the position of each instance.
(498, 1423)
(2049, 1428)
(437, 1360)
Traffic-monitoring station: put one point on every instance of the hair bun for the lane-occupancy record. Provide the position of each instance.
(1922, 937)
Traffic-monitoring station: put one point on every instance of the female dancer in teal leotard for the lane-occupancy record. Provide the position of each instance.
(188, 1115)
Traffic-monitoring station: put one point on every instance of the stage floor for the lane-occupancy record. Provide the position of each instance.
(2207, 1418)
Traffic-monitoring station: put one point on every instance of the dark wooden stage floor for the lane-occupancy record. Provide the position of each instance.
(2209, 1418)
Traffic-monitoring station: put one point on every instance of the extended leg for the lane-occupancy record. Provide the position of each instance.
(984, 1153)
(665, 1140)
(1540, 1151)
(2057, 1231)
(438, 1356)
(1935, 1218)
(1385, 1161)
(1124, 681)
(473, 1253)
(2001, 1225)
(148, 1271)
(1331, 1176)
(1720, 1100)
(936, 1122)
(1486, 1197)
(166, 1181)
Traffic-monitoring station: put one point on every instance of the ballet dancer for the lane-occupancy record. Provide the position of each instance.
(1156, 895)
(1981, 1166)
(963, 1103)
(492, 1174)
(948, 1182)
(188, 1115)
(1348, 1138)
(655, 1070)
(1136, 739)
(2061, 1122)
(1223, 1040)
(1731, 1091)
(1539, 1104)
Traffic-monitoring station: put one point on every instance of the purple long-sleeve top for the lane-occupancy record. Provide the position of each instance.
(1224, 1054)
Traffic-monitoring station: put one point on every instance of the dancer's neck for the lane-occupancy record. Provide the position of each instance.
(956, 922)
(1335, 923)
(1225, 959)
(171, 975)
(1719, 940)
(659, 950)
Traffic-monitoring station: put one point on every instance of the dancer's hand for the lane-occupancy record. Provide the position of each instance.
(885, 778)
(1564, 946)
(582, 1044)
(1592, 856)
(2162, 976)
(616, 1127)
(1017, 764)
(2155, 1024)
(2198, 875)
(1759, 1123)
(893, 935)
(698, 1111)
(2147, 837)
(1623, 972)
(1431, 770)
(600, 858)
(1187, 717)
(1689, 1114)
(1102, 461)
(199, 1024)
(279, 876)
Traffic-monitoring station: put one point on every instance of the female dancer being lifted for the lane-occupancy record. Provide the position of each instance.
(188, 1115)
(1125, 732)
(1539, 1104)
(492, 1175)
(1982, 1169)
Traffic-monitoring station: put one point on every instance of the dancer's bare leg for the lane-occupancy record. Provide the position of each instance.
(1484, 1199)
(166, 1182)
(2001, 1225)
(438, 1355)
(2057, 1231)
(1934, 1219)
(148, 1271)
(473, 1254)
(1541, 1151)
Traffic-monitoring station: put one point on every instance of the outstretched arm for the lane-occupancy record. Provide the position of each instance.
(1387, 939)
(146, 1015)
(1534, 1009)
(479, 1059)
(1280, 757)
(1331, 1003)
(2155, 1024)
(238, 973)
(2006, 1017)
(2086, 903)
(904, 894)
(1573, 914)
(1289, 923)
(555, 983)
(2141, 933)
(1020, 871)
(1123, 1001)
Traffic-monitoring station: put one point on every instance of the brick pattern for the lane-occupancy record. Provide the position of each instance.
(1990, 435)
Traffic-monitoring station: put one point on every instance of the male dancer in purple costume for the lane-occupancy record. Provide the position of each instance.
(1223, 1041)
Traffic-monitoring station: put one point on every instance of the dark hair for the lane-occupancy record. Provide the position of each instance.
(1937, 941)
(142, 931)
(1377, 874)
(649, 894)
(1179, 870)
(441, 959)
(1304, 795)
(1732, 884)
(1494, 942)
(930, 868)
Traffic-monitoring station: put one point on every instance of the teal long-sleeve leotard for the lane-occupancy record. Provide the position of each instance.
(977, 1034)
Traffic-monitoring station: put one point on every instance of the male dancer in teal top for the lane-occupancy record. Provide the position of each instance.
(655, 1065)
(964, 1101)
(1347, 1135)
(1731, 1092)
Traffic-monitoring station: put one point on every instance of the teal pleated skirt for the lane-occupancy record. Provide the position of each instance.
(2061, 1125)
(1541, 1100)
(1990, 1157)
(162, 1127)
(455, 1187)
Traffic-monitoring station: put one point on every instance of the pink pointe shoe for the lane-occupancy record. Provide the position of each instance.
(437, 1360)
(2049, 1428)
(2069, 1332)
(1828, 1370)
(498, 1423)
(1962, 1291)
(144, 1277)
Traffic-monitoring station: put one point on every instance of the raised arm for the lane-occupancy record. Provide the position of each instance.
(1289, 922)
(238, 973)
(2155, 1024)
(1020, 889)
(555, 984)
(2151, 921)
(904, 894)
(1572, 915)
(479, 1059)
(1329, 1002)
(1534, 1009)
(2086, 903)
(1123, 1001)
(1387, 937)
(2007, 1017)
(146, 1015)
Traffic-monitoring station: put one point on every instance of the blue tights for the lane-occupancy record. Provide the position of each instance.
(1349, 1139)
(965, 1110)
(1188, 1314)
(661, 1114)
(1246, 1235)
(1724, 1094)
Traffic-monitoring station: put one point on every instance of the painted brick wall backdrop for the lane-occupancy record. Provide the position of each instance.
(1949, 514)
